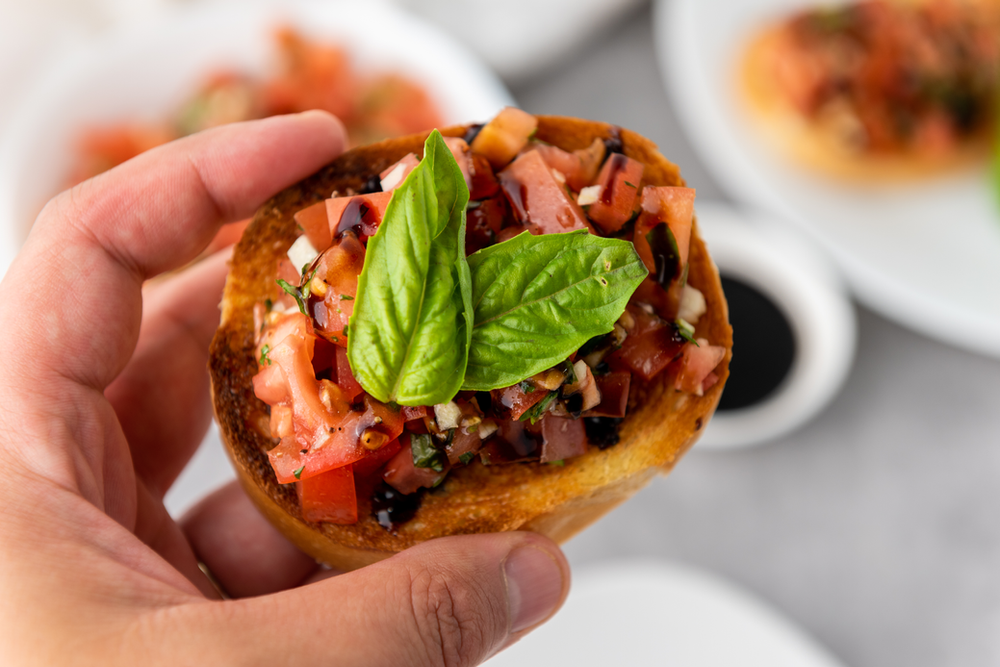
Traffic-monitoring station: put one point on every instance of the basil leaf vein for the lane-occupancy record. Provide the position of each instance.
(412, 322)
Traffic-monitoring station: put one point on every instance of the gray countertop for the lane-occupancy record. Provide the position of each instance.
(876, 525)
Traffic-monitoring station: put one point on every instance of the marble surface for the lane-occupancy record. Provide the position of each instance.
(875, 526)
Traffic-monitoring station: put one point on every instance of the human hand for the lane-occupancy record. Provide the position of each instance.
(104, 397)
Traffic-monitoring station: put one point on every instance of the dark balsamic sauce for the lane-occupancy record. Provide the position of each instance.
(602, 432)
(618, 162)
(764, 348)
(613, 144)
(392, 509)
(372, 185)
(352, 218)
(472, 133)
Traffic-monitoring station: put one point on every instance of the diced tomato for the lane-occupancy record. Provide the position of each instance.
(460, 151)
(402, 475)
(674, 206)
(329, 497)
(520, 442)
(361, 213)
(484, 222)
(614, 395)
(315, 223)
(339, 267)
(568, 164)
(591, 159)
(411, 414)
(270, 385)
(512, 402)
(484, 181)
(504, 136)
(562, 438)
(393, 177)
(649, 348)
(663, 302)
(324, 356)
(697, 364)
(290, 274)
(538, 199)
(368, 471)
(464, 442)
(619, 179)
(345, 377)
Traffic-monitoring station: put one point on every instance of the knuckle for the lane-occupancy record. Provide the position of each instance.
(454, 618)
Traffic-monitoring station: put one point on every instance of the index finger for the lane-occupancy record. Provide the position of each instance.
(72, 298)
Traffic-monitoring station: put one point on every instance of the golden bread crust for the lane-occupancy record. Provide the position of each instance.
(557, 501)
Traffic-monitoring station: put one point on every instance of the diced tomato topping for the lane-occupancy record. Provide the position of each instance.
(361, 213)
(614, 395)
(674, 206)
(512, 402)
(270, 385)
(649, 348)
(315, 223)
(329, 497)
(696, 366)
(663, 302)
(484, 181)
(339, 267)
(394, 176)
(412, 414)
(402, 475)
(464, 442)
(460, 151)
(503, 137)
(538, 199)
(368, 471)
(484, 222)
(562, 438)
(620, 180)
(591, 159)
(566, 163)
(290, 274)
(324, 356)
(345, 377)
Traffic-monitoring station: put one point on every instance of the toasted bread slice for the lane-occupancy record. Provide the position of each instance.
(662, 424)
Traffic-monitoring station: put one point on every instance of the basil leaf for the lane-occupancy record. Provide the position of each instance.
(425, 454)
(539, 298)
(412, 320)
(535, 412)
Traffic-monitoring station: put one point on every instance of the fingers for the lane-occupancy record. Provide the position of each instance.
(243, 551)
(162, 396)
(453, 601)
(74, 291)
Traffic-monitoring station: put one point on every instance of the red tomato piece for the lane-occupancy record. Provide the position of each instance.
(402, 475)
(270, 385)
(614, 389)
(464, 442)
(329, 497)
(566, 163)
(339, 267)
(484, 222)
(484, 182)
(649, 347)
(411, 414)
(393, 177)
(674, 206)
(361, 213)
(619, 179)
(460, 151)
(371, 464)
(697, 364)
(345, 377)
(512, 402)
(538, 199)
(562, 438)
(315, 223)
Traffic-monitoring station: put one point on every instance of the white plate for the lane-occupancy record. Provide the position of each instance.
(926, 255)
(650, 613)
(145, 72)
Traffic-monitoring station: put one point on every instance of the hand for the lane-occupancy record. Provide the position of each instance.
(104, 397)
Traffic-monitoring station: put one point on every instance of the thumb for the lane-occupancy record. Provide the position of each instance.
(452, 601)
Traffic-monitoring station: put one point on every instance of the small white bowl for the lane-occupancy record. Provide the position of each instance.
(753, 249)
(144, 73)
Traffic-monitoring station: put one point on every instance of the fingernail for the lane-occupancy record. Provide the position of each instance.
(534, 586)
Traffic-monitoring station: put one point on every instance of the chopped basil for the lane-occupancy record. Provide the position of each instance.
(631, 185)
(346, 297)
(466, 457)
(298, 473)
(526, 386)
(535, 412)
(268, 305)
(425, 454)
(686, 331)
(294, 293)
(666, 256)
(559, 463)
(264, 359)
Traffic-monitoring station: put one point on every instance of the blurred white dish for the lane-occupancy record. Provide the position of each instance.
(145, 72)
(926, 254)
(519, 38)
(651, 613)
(796, 277)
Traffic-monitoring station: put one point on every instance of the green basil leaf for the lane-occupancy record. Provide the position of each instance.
(666, 256)
(412, 320)
(539, 298)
